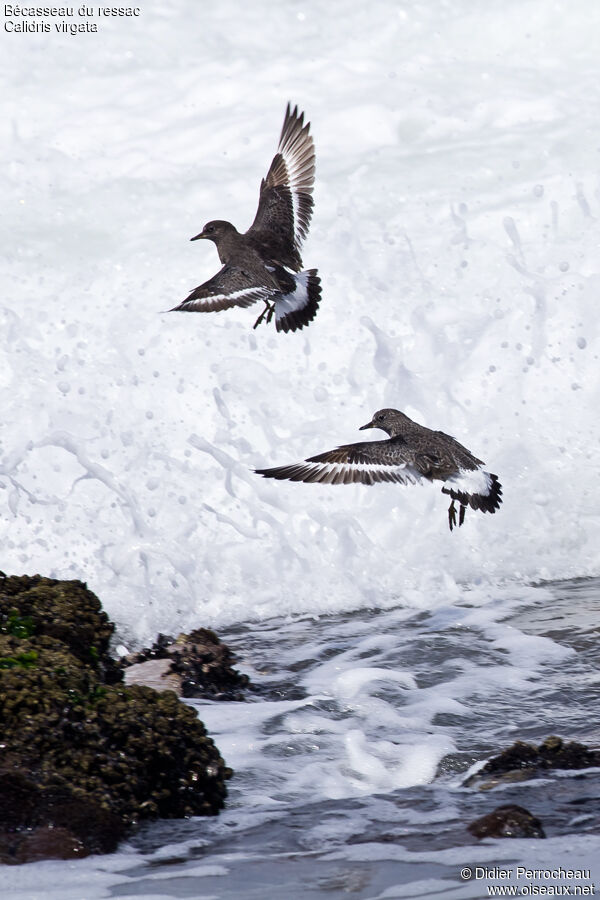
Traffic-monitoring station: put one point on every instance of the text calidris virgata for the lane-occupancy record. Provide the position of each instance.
(412, 454)
(265, 262)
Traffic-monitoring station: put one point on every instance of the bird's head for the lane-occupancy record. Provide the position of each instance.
(215, 231)
(388, 420)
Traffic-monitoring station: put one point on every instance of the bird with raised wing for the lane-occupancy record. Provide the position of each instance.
(264, 263)
(411, 455)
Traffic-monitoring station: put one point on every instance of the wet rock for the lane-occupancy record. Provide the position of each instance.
(85, 758)
(154, 673)
(522, 761)
(51, 822)
(195, 665)
(509, 821)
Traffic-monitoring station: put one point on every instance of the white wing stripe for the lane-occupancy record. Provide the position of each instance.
(232, 297)
(298, 158)
(337, 473)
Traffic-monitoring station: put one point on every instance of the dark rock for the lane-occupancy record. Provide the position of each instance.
(523, 761)
(85, 759)
(195, 665)
(61, 610)
(42, 822)
(507, 822)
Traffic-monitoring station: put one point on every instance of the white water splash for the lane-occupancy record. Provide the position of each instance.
(457, 247)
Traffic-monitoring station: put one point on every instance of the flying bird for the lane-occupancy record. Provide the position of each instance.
(265, 263)
(412, 454)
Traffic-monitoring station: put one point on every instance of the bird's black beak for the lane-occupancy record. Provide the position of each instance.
(198, 237)
(368, 425)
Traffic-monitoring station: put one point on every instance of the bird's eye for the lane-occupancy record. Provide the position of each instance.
(210, 229)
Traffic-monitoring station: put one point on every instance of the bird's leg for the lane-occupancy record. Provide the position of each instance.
(260, 318)
(452, 515)
(270, 309)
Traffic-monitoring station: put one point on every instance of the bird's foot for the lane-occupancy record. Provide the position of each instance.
(267, 311)
(452, 515)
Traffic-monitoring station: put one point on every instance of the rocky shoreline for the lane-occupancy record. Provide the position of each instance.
(86, 757)
(93, 746)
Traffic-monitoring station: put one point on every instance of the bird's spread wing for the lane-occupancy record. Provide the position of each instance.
(232, 286)
(366, 463)
(285, 204)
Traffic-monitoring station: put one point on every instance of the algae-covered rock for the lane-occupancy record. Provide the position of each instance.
(523, 761)
(65, 611)
(85, 759)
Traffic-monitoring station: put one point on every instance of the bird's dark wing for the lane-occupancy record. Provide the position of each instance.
(232, 286)
(285, 203)
(456, 452)
(366, 463)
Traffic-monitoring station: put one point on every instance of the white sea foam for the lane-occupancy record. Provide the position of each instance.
(444, 296)
(431, 304)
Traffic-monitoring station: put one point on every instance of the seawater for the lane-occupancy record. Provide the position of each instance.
(350, 757)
